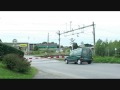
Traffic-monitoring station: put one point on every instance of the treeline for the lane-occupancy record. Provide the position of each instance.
(105, 48)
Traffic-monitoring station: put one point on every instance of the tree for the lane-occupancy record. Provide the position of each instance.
(57, 46)
(44, 42)
(70, 47)
(36, 48)
(98, 47)
(105, 48)
(61, 46)
(0, 41)
(88, 45)
(75, 45)
(52, 42)
(20, 48)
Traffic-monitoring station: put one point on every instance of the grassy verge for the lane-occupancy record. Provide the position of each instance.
(8, 74)
(99, 59)
(61, 59)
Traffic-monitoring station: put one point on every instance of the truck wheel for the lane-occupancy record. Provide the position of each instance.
(66, 61)
(89, 62)
(75, 62)
(79, 62)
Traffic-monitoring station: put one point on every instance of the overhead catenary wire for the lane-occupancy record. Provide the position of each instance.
(78, 29)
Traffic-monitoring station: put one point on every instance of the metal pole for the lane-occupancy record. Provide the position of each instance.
(94, 36)
(48, 44)
(59, 41)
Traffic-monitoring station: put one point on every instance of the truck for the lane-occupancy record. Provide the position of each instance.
(79, 55)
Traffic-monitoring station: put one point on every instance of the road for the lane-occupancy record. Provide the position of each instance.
(54, 69)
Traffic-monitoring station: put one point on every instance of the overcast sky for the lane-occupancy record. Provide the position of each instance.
(37, 24)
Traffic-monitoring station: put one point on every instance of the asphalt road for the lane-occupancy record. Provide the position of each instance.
(54, 69)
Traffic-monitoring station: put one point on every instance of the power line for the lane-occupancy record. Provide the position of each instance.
(78, 33)
(76, 29)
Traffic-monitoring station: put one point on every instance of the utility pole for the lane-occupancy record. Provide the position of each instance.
(59, 39)
(72, 40)
(48, 44)
(48, 39)
(94, 36)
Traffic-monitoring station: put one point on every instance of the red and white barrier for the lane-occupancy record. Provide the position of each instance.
(32, 58)
(57, 57)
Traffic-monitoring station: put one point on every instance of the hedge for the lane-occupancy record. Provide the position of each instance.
(6, 49)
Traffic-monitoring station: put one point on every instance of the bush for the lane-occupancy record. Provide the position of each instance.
(16, 63)
(5, 49)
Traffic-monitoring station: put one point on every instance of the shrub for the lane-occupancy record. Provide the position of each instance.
(5, 49)
(16, 63)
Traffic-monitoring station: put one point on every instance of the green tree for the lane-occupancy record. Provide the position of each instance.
(75, 45)
(57, 46)
(88, 45)
(98, 47)
(0, 41)
(44, 42)
(36, 48)
(52, 42)
(70, 47)
(111, 48)
(61, 46)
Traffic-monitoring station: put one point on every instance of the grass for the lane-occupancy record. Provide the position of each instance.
(99, 59)
(51, 52)
(106, 59)
(61, 59)
(9, 74)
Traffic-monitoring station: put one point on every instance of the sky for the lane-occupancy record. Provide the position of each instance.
(34, 26)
